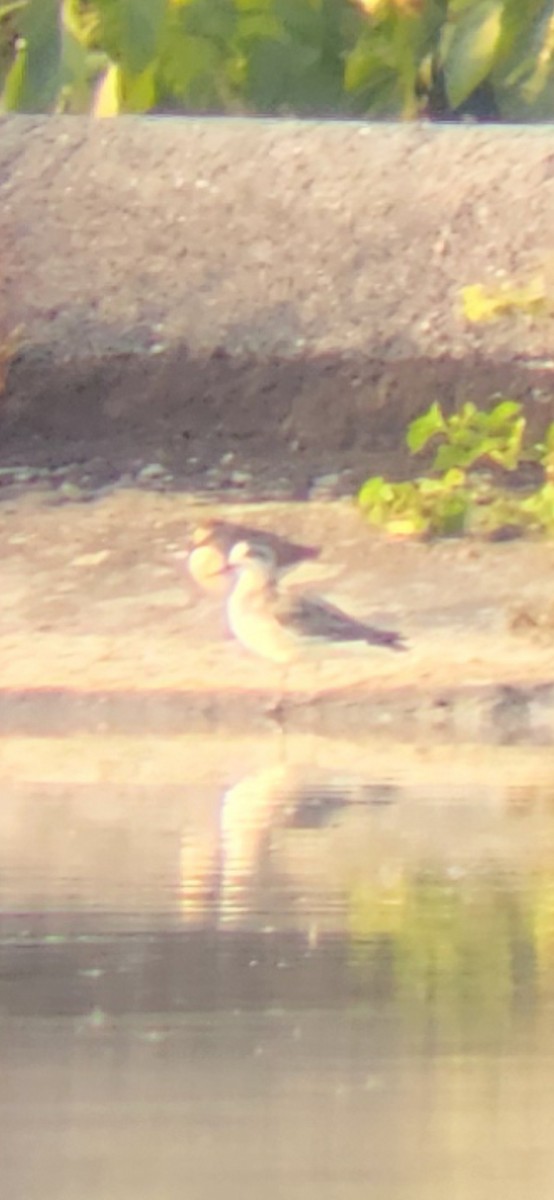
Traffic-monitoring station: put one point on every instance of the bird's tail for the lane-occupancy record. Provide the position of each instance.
(387, 637)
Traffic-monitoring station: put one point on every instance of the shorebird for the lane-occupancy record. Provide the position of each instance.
(282, 626)
(212, 541)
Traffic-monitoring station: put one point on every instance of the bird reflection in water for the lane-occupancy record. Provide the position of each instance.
(223, 877)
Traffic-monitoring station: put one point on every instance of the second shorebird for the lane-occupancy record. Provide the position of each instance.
(211, 543)
(281, 626)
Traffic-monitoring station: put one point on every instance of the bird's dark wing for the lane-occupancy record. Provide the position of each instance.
(285, 552)
(316, 618)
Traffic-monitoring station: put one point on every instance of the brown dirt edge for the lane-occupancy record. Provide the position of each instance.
(283, 422)
(497, 714)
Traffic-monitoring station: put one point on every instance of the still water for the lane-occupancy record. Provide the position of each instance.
(236, 971)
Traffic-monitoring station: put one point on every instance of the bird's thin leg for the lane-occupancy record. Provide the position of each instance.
(276, 706)
(280, 706)
(281, 703)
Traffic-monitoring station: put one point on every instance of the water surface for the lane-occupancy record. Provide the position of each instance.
(276, 974)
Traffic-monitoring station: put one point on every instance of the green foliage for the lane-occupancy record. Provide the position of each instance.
(469, 44)
(391, 58)
(420, 507)
(35, 77)
(388, 71)
(458, 495)
(130, 30)
(471, 435)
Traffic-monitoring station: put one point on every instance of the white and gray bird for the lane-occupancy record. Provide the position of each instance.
(282, 626)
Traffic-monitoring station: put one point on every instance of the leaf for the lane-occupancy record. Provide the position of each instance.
(74, 58)
(385, 68)
(370, 491)
(449, 516)
(369, 60)
(455, 478)
(521, 35)
(469, 44)
(502, 413)
(213, 19)
(107, 97)
(510, 454)
(302, 22)
(252, 25)
(76, 73)
(34, 79)
(130, 30)
(189, 68)
(139, 91)
(289, 76)
(7, 9)
(81, 21)
(549, 438)
(395, 507)
(424, 428)
(412, 526)
(540, 507)
(542, 72)
(429, 488)
(455, 456)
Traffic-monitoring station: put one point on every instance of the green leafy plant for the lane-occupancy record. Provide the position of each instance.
(470, 435)
(389, 58)
(418, 507)
(462, 494)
